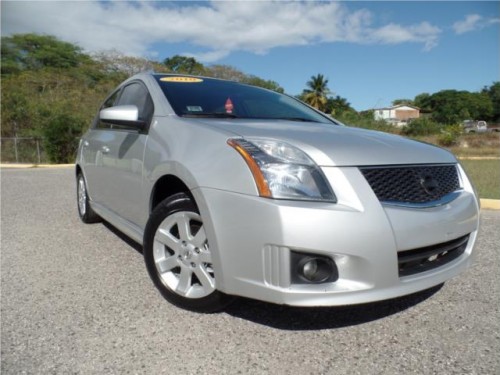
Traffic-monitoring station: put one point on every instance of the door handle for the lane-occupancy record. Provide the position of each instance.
(105, 149)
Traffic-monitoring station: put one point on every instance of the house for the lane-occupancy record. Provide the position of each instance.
(397, 115)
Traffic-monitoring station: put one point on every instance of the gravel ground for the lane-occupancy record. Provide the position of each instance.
(77, 299)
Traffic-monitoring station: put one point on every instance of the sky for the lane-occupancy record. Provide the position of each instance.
(371, 52)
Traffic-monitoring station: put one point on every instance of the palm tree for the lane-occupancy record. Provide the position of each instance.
(316, 93)
(337, 106)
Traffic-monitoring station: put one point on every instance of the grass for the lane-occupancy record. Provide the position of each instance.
(485, 144)
(485, 175)
(471, 145)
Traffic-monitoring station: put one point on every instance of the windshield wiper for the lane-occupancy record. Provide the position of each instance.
(301, 119)
(211, 115)
(232, 115)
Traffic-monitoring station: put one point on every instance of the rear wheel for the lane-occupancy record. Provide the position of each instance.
(86, 213)
(178, 257)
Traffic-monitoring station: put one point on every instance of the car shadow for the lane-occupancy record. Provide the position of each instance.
(129, 241)
(307, 318)
(317, 318)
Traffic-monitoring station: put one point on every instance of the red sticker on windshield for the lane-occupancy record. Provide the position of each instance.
(229, 106)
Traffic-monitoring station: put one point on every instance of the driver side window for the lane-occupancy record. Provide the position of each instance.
(132, 94)
(137, 94)
(110, 102)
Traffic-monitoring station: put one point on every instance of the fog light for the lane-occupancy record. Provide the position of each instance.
(310, 269)
(313, 269)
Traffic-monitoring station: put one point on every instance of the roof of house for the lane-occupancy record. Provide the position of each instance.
(397, 106)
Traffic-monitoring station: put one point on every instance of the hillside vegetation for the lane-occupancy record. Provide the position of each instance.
(51, 90)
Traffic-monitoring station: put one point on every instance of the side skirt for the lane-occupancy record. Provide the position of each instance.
(125, 226)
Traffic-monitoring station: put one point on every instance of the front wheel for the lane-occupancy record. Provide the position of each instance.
(178, 257)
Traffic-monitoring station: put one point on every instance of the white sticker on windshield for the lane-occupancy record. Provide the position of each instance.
(194, 108)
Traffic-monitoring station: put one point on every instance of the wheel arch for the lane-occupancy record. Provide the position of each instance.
(165, 187)
(170, 184)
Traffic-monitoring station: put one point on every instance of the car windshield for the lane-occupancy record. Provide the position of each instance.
(213, 98)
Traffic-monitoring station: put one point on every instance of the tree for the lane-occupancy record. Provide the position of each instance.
(115, 62)
(231, 73)
(451, 106)
(61, 138)
(32, 52)
(493, 93)
(267, 84)
(316, 93)
(51, 89)
(423, 102)
(15, 112)
(403, 101)
(184, 65)
(225, 72)
(338, 106)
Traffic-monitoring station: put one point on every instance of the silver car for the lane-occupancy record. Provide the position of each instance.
(234, 190)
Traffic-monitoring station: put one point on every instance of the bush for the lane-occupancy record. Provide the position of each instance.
(61, 138)
(365, 120)
(421, 126)
(450, 135)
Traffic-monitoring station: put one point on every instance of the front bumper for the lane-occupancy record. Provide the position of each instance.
(251, 239)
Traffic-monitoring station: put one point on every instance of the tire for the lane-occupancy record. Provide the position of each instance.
(86, 213)
(178, 258)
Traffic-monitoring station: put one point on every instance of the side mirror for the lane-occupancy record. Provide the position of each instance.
(126, 115)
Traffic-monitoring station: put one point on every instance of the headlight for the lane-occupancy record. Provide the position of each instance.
(282, 171)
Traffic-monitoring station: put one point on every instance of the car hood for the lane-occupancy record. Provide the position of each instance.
(335, 145)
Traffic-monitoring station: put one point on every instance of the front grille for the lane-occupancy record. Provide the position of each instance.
(427, 258)
(412, 184)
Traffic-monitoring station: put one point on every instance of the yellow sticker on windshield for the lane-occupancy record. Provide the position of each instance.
(181, 79)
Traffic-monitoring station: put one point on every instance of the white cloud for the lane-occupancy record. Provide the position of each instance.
(473, 22)
(422, 33)
(217, 28)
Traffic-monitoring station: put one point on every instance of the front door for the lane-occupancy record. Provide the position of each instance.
(119, 150)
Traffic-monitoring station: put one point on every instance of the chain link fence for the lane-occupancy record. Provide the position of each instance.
(22, 150)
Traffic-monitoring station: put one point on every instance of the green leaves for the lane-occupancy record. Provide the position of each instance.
(60, 137)
(184, 65)
(451, 106)
(32, 52)
(421, 127)
(316, 92)
(51, 89)
(493, 93)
